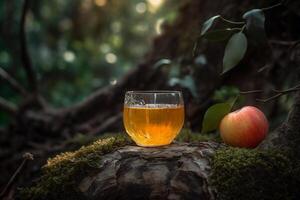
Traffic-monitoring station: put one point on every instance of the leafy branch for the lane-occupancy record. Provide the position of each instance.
(236, 48)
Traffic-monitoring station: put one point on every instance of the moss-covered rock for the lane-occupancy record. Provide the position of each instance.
(255, 174)
(61, 172)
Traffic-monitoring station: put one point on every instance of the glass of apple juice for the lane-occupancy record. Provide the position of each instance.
(153, 118)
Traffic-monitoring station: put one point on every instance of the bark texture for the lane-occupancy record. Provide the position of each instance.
(179, 171)
(287, 136)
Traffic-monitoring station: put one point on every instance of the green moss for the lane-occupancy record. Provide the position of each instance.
(186, 135)
(255, 174)
(58, 179)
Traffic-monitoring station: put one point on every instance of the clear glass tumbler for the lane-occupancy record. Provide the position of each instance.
(153, 118)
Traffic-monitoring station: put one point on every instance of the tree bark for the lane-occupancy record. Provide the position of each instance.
(287, 136)
(178, 171)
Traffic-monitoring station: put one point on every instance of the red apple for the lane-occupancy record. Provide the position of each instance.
(246, 127)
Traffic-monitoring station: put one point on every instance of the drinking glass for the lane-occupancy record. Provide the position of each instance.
(153, 118)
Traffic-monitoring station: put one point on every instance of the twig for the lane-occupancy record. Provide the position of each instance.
(251, 92)
(284, 43)
(232, 22)
(14, 84)
(271, 7)
(24, 50)
(279, 93)
(290, 44)
(26, 158)
(7, 106)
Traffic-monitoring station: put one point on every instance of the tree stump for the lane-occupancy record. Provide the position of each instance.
(178, 171)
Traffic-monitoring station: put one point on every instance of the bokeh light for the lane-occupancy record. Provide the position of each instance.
(141, 7)
(111, 58)
(100, 2)
(158, 26)
(69, 56)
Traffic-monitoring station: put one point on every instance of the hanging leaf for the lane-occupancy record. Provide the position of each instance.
(162, 62)
(208, 24)
(234, 51)
(255, 26)
(214, 115)
(219, 35)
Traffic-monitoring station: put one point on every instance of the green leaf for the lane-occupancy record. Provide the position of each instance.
(219, 35)
(234, 51)
(255, 25)
(214, 115)
(208, 24)
(162, 62)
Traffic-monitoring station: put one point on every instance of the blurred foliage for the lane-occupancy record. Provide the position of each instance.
(225, 93)
(78, 46)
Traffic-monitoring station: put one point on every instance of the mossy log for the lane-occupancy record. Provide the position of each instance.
(113, 168)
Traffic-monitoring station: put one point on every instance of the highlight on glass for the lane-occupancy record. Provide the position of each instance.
(153, 118)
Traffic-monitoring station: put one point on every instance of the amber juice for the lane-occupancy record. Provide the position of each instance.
(153, 124)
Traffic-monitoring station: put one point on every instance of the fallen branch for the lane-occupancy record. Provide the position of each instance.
(26, 158)
(14, 84)
(7, 106)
